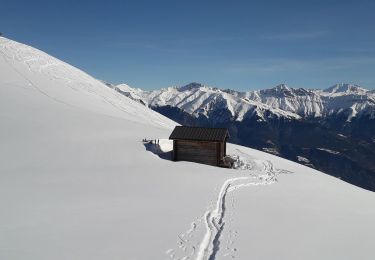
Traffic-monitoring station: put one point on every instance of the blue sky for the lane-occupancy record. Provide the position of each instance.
(242, 45)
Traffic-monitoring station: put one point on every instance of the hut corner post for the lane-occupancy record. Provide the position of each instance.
(218, 153)
(174, 153)
(225, 146)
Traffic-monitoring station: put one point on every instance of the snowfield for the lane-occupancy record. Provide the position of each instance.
(77, 182)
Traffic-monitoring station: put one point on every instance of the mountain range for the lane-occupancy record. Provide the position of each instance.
(331, 130)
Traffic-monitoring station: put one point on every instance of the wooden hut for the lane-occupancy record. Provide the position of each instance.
(199, 144)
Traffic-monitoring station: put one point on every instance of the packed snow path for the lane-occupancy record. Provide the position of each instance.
(259, 172)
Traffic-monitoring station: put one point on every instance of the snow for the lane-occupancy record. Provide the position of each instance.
(328, 150)
(271, 150)
(303, 159)
(197, 99)
(132, 93)
(344, 88)
(77, 182)
(302, 217)
(282, 101)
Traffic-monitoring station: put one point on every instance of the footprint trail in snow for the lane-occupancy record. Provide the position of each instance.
(213, 220)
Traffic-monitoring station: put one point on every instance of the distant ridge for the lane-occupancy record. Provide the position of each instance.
(280, 101)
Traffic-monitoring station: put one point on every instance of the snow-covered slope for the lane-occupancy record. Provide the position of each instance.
(60, 82)
(76, 182)
(132, 93)
(281, 101)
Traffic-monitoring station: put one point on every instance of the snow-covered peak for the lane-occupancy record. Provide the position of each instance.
(345, 88)
(132, 93)
(126, 87)
(283, 90)
(200, 100)
(282, 100)
(281, 87)
(191, 86)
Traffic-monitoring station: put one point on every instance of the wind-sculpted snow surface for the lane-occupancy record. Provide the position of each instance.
(77, 182)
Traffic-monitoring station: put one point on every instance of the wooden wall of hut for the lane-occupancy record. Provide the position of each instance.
(198, 151)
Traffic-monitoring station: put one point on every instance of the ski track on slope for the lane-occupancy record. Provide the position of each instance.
(213, 219)
(49, 67)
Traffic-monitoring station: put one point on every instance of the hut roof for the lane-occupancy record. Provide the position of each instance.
(199, 134)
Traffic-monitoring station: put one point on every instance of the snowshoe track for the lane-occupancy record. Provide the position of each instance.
(260, 173)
